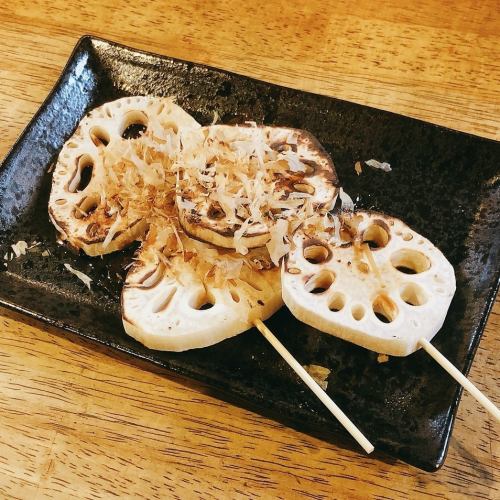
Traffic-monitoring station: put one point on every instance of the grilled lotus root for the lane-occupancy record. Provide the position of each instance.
(183, 294)
(237, 181)
(370, 280)
(107, 173)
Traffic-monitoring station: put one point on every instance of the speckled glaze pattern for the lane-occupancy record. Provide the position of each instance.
(444, 184)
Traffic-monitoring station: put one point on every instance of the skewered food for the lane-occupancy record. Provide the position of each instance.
(108, 174)
(183, 294)
(368, 278)
(243, 187)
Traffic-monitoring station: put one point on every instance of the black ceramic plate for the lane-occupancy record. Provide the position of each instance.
(444, 184)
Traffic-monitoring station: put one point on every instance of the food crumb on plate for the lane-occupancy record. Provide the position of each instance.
(19, 248)
(319, 374)
(82, 276)
(382, 358)
(384, 166)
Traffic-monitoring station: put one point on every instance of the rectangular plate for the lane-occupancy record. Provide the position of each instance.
(444, 184)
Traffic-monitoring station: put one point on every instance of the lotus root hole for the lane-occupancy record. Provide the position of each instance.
(413, 294)
(410, 261)
(99, 136)
(61, 202)
(358, 312)
(293, 270)
(85, 176)
(215, 212)
(320, 282)
(345, 236)
(316, 253)
(202, 301)
(235, 296)
(82, 175)
(304, 188)
(135, 124)
(407, 236)
(92, 230)
(384, 308)
(376, 236)
(87, 206)
(337, 302)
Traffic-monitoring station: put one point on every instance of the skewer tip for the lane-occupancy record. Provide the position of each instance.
(487, 404)
(315, 388)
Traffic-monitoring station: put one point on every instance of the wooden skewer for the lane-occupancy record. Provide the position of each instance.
(310, 382)
(441, 360)
(461, 379)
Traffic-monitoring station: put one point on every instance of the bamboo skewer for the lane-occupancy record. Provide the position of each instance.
(444, 363)
(461, 379)
(311, 383)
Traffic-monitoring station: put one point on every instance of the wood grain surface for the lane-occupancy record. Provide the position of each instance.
(77, 420)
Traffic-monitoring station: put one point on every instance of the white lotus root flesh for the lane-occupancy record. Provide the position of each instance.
(109, 173)
(184, 294)
(236, 181)
(380, 285)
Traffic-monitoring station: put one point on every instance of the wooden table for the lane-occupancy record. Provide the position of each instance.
(78, 421)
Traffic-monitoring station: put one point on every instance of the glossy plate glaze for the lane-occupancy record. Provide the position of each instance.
(444, 184)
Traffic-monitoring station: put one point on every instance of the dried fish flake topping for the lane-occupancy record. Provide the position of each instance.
(81, 276)
(116, 172)
(242, 180)
(384, 166)
(20, 248)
